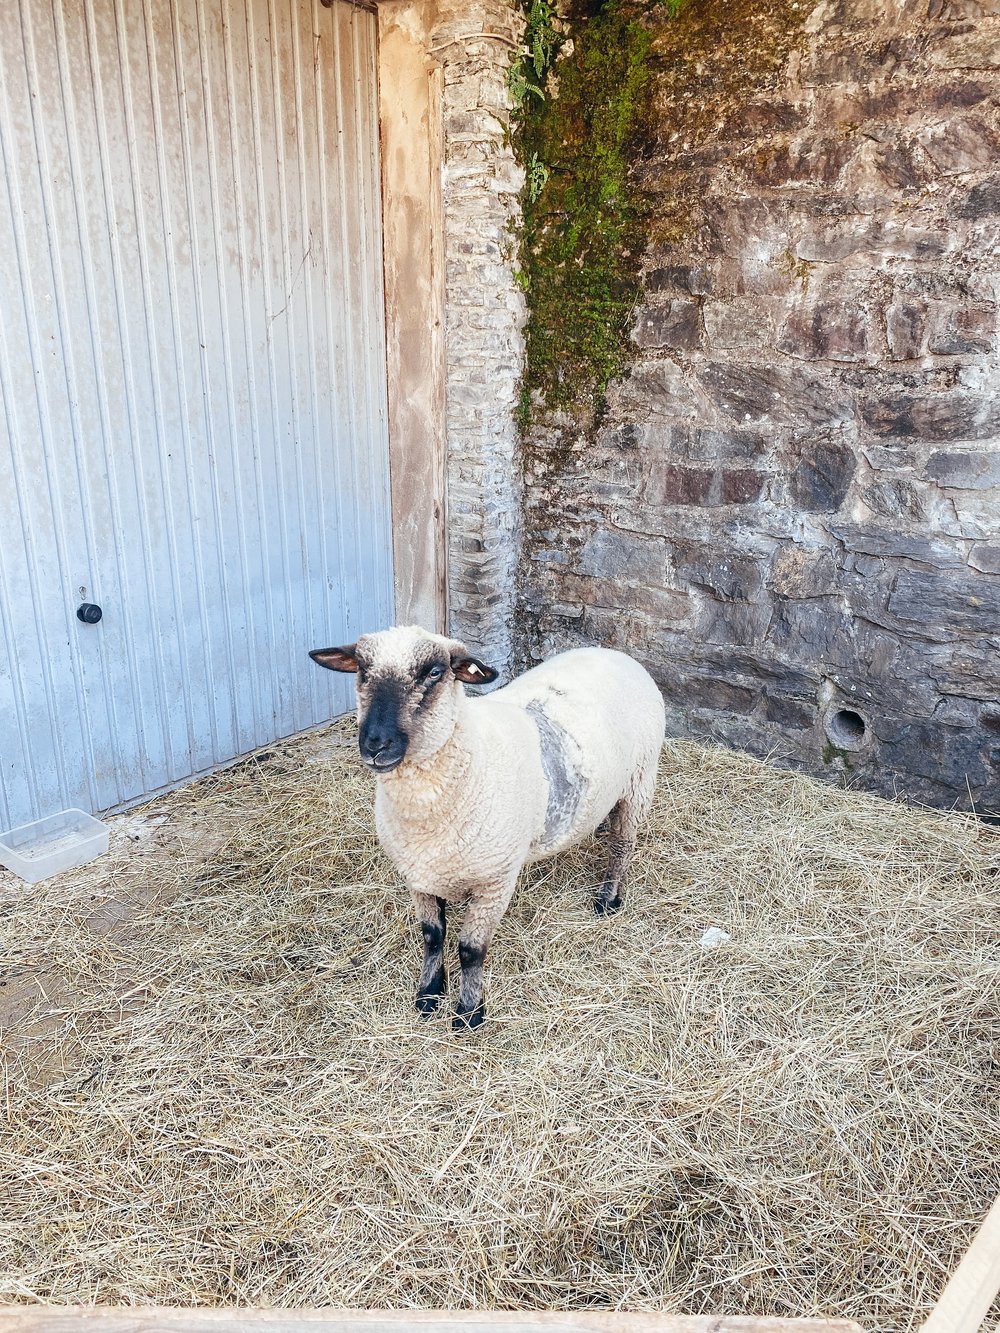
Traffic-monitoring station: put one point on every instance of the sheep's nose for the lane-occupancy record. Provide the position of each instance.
(382, 749)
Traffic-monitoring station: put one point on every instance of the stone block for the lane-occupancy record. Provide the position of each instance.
(886, 167)
(955, 415)
(959, 146)
(768, 117)
(893, 498)
(658, 388)
(666, 606)
(816, 160)
(963, 331)
(624, 555)
(981, 201)
(678, 484)
(740, 324)
(726, 446)
(713, 692)
(906, 328)
(973, 50)
(896, 544)
(754, 393)
(741, 485)
(677, 325)
(827, 330)
(792, 714)
(985, 556)
(724, 573)
(962, 469)
(824, 466)
(959, 602)
(681, 279)
(953, 758)
(828, 64)
(736, 624)
(802, 571)
(628, 631)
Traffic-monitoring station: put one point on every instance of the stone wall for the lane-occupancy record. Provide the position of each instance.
(485, 316)
(791, 511)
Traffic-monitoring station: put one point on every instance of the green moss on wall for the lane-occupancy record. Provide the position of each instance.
(616, 132)
(584, 227)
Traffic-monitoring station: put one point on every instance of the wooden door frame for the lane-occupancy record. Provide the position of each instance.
(411, 86)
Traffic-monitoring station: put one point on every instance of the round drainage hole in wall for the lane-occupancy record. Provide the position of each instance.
(846, 728)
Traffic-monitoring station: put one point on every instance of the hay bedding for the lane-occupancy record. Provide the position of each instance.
(236, 1104)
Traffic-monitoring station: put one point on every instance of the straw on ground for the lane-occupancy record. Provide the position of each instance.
(230, 1099)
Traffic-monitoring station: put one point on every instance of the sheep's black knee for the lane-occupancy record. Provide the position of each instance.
(433, 934)
(471, 956)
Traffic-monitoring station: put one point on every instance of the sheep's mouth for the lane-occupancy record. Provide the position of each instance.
(383, 763)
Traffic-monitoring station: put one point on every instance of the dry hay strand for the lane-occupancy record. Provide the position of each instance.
(241, 1106)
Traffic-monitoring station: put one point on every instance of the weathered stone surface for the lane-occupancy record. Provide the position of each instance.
(800, 477)
(827, 331)
(677, 484)
(790, 713)
(963, 331)
(965, 470)
(982, 200)
(896, 543)
(906, 328)
(743, 323)
(825, 465)
(985, 556)
(675, 325)
(728, 577)
(755, 393)
(894, 498)
(940, 416)
(960, 146)
(624, 555)
(799, 571)
(957, 602)
(681, 279)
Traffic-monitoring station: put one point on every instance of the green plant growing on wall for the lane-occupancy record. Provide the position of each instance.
(583, 235)
(542, 40)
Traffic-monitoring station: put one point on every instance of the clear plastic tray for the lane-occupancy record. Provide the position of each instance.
(39, 850)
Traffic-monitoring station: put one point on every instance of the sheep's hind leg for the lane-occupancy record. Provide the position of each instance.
(433, 981)
(623, 827)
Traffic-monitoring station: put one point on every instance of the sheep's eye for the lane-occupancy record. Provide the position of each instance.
(435, 673)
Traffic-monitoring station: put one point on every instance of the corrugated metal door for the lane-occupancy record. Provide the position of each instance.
(192, 372)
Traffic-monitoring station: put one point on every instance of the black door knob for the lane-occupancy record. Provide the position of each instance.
(89, 613)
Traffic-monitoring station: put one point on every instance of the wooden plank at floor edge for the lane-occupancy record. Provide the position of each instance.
(974, 1285)
(153, 1319)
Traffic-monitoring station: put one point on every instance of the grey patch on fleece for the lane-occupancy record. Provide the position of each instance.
(566, 783)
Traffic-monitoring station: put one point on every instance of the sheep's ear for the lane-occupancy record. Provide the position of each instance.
(336, 659)
(470, 671)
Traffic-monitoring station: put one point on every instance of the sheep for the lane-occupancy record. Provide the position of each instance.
(469, 790)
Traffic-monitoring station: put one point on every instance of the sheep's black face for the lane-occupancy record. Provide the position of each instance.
(400, 698)
(409, 687)
(381, 738)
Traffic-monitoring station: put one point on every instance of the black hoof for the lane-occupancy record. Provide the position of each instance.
(607, 906)
(429, 999)
(470, 1018)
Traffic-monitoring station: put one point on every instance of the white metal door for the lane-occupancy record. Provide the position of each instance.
(192, 384)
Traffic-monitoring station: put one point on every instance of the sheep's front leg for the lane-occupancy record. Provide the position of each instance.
(430, 913)
(481, 919)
